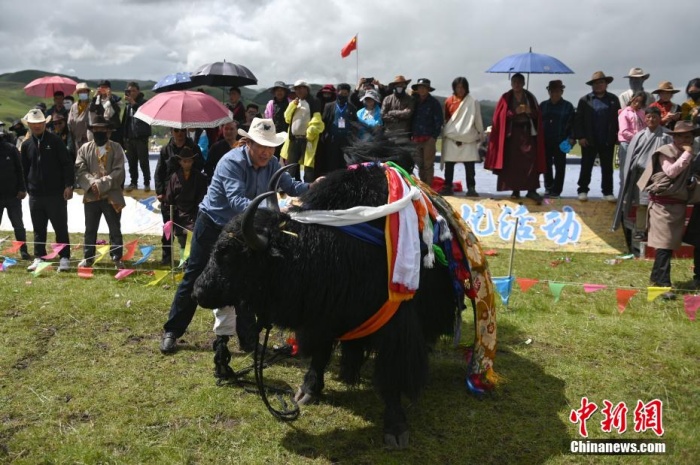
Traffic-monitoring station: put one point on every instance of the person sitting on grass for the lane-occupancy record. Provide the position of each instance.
(99, 168)
(185, 191)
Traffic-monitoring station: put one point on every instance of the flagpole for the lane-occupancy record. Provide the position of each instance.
(512, 257)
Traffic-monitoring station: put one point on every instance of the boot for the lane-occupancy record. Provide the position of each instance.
(471, 192)
(222, 358)
(446, 190)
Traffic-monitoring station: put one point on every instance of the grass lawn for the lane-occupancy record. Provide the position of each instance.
(82, 381)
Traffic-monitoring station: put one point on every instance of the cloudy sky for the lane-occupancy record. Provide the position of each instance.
(288, 40)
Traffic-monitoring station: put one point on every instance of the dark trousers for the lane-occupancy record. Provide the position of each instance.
(53, 208)
(167, 250)
(556, 170)
(14, 212)
(470, 173)
(295, 154)
(605, 153)
(137, 154)
(93, 214)
(183, 307)
(661, 271)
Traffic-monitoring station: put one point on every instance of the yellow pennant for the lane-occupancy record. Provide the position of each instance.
(186, 252)
(654, 292)
(158, 276)
(101, 252)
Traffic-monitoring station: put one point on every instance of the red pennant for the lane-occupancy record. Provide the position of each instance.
(526, 283)
(130, 248)
(16, 245)
(624, 296)
(691, 304)
(85, 272)
(491, 252)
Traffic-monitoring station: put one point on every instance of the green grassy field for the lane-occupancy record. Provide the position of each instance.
(82, 381)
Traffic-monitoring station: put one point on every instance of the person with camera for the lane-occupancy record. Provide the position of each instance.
(107, 105)
(136, 134)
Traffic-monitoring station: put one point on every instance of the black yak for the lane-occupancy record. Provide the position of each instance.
(323, 281)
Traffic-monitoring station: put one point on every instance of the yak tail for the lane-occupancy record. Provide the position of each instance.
(402, 354)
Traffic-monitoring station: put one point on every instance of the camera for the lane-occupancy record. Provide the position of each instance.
(368, 80)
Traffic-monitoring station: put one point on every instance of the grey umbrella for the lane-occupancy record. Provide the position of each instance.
(223, 74)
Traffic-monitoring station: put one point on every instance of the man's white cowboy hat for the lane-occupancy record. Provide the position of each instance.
(35, 116)
(263, 132)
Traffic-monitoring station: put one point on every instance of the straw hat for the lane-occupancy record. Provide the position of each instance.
(665, 86)
(637, 73)
(263, 132)
(35, 116)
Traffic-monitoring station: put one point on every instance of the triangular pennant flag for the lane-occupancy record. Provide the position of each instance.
(16, 245)
(654, 292)
(146, 251)
(186, 252)
(56, 249)
(130, 248)
(503, 285)
(167, 229)
(593, 287)
(123, 273)
(41, 267)
(623, 297)
(179, 276)
(691, 304)
(101, 252)
(159, 275)
(526, 283)
(85, 272)
(556, 288)
(8, 262)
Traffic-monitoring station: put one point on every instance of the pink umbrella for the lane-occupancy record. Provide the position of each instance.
(47, 85)
(184, 109)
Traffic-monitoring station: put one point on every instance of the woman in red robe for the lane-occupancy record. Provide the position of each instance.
(516, 145)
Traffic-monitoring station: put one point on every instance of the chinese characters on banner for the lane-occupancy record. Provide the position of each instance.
(647, 416)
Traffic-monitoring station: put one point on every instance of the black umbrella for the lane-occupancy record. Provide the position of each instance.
(223, 74)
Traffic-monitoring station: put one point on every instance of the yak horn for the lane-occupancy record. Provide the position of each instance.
(273, 185)
(254, 240)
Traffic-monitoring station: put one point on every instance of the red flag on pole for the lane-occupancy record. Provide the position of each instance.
(349, 47)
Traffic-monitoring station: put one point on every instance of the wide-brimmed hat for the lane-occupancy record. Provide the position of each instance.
(36, 116)
(423, 82)
(82, 86)
(637, 73)
(665, 86)
(264, 133)
(684, 127)
(278, 85)
(373, 94)
(556, 84)
(302, 83)
(400, 79)
(599, 75)
(57, 117)
(99, 122)
(186, 153)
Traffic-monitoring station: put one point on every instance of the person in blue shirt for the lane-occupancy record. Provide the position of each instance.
(240, 176)
(370, 117)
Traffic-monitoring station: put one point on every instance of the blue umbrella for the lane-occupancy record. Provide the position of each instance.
(535, 63)
(176, 81)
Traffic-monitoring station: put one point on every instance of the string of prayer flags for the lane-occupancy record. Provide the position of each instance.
(653, 292)
(556, 289)
(41, 267)
(56, 249)
(504, 286)
(146, 251)
(130, 250)
(8, 262)
(186, 252)
(168, 229)
(159, 275)
(691, 304)
(526, 283)
(588, 288)
(85, 272)
(623, 297)
(123, 273)
(14, 248)
(101, 252)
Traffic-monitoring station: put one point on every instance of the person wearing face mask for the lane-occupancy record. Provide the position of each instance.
(636, 77)
(689, 108)
(99, 169)
(49, 177)
(397, 111)
(79, 116)
(107, 105)
(340, 124)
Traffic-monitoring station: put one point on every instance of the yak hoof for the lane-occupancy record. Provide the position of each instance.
(399, 441)
(301, 398)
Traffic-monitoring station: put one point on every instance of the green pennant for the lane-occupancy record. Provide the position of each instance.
(556, 289)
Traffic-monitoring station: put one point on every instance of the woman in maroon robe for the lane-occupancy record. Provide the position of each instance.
(516, 145)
